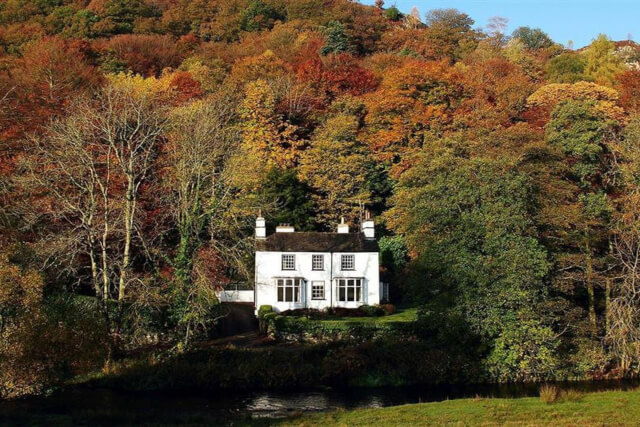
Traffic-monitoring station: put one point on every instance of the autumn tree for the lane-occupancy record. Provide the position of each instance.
(414, 101)
(335, 167)
(628, 85)
(449, 34)
(602, 64)
(265, 136)
(623, 310)
(109, 146)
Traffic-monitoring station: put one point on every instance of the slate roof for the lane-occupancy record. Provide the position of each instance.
(316, 242)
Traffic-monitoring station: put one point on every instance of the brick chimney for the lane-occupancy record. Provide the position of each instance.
(261, 228)
(368, 227)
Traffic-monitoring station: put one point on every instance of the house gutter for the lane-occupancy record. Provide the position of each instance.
(331, 279)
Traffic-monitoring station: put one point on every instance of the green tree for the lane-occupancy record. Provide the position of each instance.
(337, 40)
(533, 38)
(393, 13)
(259, 15)
(567, 67)
(290, 199)
(583, 134)
(468, 223)
(120, 15)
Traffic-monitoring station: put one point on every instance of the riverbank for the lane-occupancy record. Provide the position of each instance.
(602, 408)
(599, 402)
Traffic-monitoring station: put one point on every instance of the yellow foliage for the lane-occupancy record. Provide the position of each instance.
(265, 135)
(19, 291)
(550, 95)
(137, 85)
(335, 166)
(602, 62)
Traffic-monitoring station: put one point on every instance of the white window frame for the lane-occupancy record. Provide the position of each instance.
(318, 290)
(347, 259)
(317, 262)
(288, 262)
(347, 284)
(289, 289)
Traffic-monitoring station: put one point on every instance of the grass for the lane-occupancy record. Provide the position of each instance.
(402, 315)
(594, 409)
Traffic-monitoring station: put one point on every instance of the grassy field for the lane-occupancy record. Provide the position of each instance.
(604, 408)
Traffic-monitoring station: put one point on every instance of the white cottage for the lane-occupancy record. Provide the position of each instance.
(316, 270)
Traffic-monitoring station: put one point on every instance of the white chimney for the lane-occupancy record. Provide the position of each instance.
(261, 229)
(285, 228)
(342, 227)
(368, 228)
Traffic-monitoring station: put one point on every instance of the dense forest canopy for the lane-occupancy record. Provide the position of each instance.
(139, 139)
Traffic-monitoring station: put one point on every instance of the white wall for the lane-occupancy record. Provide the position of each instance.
(235, 296)
(269, 269)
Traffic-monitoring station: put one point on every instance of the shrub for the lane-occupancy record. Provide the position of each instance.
(347, 312)
(264, 309)
(388, 309)
(548, 393)
(311, 313)
(526, 351)
(372, 310)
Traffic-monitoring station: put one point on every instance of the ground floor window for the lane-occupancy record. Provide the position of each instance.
(317, 290)
(349, 290)
(289, 290)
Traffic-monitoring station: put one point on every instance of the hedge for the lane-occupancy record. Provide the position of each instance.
(301, 329)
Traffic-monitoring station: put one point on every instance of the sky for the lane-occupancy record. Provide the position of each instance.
(578, 21)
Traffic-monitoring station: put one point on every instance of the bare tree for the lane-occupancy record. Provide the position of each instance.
(623, 312)
(201, 139)
(87, 170)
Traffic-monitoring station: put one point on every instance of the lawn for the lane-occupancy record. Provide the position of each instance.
(402, 315)
(603, 408)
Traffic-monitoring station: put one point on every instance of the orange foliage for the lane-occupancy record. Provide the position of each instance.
(147, 55)
(186, 87)
(415, 99)
(628, 85)
(499, 93)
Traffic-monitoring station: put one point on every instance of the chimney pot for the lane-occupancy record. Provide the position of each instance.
(285, 228)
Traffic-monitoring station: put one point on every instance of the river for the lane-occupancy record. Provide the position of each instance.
(83, 406)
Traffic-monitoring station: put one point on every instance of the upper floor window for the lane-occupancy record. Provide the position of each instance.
(347, 262)
(317, 262)
(288, 262)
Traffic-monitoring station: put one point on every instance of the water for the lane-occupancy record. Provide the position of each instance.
(93, 407)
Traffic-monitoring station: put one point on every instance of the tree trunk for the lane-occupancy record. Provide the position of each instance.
(130, 206)
(593, 325)
(607, 304)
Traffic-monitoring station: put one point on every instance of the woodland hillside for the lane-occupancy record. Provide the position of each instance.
(139, 139)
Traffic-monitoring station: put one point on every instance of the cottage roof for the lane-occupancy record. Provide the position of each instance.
(317, 242)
